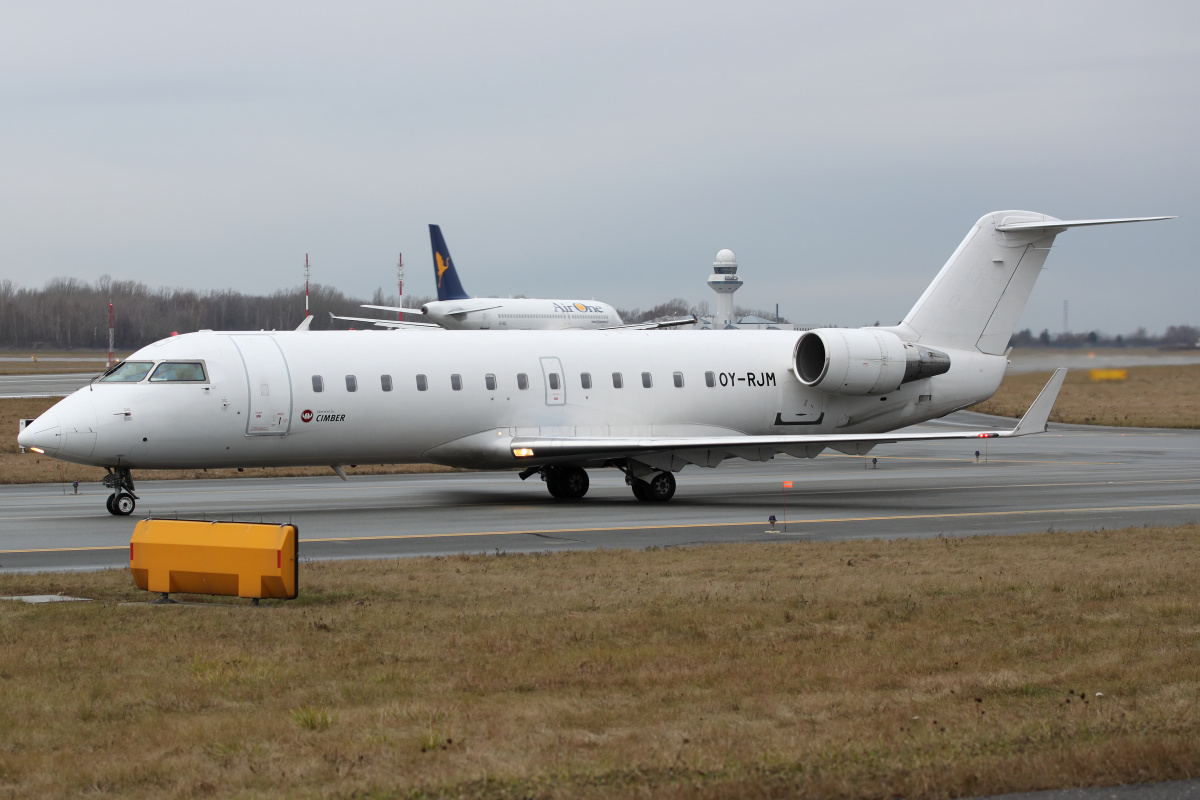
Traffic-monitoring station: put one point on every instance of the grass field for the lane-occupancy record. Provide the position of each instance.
(1151, 397)
(923, 669)
(35, 362)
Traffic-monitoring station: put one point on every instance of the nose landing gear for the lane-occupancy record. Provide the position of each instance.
(122, 501)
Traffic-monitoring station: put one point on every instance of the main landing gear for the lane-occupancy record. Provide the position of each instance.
(658, 489)
(566, 483)
(122, 501)
(571, 483)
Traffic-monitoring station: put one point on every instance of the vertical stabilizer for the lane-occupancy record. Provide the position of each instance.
(448, 285)
(977, 298)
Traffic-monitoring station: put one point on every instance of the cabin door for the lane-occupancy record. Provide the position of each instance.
(556, 388)
(269, 385)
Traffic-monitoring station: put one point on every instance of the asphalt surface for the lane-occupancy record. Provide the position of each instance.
(1072, 478)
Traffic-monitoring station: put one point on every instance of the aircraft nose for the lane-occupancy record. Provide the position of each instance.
(43, 435)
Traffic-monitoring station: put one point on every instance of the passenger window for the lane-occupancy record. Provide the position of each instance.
(490, 382)
(351, 383)
(127, 372)
(190, 371)
(710, 379)
(385, 381)
(585, 380)
(647, 381)
(456, 382)
(618, 381)
(522, 381)
(554, 380)
(678, 376)
(422, 383)
(318, 383)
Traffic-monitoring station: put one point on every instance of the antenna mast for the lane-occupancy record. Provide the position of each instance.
(110, 334)
(306, 276)
(400, 282)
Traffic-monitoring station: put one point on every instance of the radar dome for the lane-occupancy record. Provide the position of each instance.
(726, 257)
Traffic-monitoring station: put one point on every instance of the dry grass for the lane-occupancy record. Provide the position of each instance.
(1152, 397)
(17, 467)
(923, 669)
(33, 362)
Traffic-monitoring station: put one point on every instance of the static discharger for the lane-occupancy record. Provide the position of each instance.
(237, 559)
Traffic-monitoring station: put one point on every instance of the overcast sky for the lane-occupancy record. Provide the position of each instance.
(605, 150)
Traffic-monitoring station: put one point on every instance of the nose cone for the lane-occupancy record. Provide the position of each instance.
(43, 434)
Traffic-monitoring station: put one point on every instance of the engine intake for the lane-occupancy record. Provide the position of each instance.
(863, 361)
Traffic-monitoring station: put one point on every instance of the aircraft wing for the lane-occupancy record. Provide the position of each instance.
(387, 323)
(409, 312)
(674, 452)
(651, 326)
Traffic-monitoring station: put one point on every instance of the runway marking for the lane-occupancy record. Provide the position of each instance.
(544, 531)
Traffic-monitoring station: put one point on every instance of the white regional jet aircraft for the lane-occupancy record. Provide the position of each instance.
(555, 405)
(456, 310)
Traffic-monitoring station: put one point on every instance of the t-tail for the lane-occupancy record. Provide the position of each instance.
(977, 298)
(448, 285)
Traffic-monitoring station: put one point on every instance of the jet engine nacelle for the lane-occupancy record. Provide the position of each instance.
(863, 361)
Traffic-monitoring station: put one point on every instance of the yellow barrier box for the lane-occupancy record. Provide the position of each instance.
(1109, 374)
(240, 559)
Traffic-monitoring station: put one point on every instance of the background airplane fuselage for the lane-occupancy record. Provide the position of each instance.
(521, 313)
(259, 407)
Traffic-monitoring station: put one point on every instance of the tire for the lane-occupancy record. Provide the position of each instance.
(661, 487)
(641, 490)
(567, 483)
(124, 504)
(573, 483)
(108, 503)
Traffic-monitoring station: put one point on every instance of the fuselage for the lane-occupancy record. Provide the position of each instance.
(361, 397)
(521, 313)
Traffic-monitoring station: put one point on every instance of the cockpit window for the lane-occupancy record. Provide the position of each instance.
(192, 371)
(127, 372)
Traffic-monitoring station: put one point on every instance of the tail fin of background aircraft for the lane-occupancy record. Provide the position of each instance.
(977, 298)
(448, 285)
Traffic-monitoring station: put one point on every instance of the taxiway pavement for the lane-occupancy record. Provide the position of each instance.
(1073, 478)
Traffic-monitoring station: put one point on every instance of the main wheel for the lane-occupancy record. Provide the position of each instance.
(641, 489)
(124, 504)
(108, 503)
(662, 487)
(567, 483)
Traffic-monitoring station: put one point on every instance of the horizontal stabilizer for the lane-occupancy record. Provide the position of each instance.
(1038, 415)
(1070, 223)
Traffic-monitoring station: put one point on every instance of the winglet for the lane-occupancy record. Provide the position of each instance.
(1038, 415)
(303, 326)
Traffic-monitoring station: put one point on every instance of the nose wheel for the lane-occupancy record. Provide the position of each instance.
(122, 501)
(120, 505)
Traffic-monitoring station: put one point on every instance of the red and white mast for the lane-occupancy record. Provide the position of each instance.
(110, 334)
(400, 283)
(306, 276)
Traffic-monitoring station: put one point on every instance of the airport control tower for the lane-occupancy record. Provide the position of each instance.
(724, 281)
